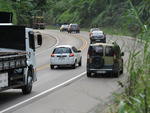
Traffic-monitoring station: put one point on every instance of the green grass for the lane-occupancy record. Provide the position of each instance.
(116, 31)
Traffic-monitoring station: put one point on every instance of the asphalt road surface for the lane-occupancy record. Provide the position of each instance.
(65, 90)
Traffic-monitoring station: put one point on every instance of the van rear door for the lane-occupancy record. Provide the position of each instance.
(109, 56)
(95, 59)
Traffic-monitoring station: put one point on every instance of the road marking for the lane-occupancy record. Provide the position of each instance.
(57, 42)
(44, 92)
(85, 43)
(42, 67)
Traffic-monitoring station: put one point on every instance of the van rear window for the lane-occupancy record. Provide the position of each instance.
(95, 50)
(109, 51)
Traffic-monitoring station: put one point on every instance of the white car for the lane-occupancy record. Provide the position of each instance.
(65, 55)
(64, 28)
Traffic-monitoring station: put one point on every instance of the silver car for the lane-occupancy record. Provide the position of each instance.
(65, 55)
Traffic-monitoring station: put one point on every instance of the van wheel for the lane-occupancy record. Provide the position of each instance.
(89, 74)
(121, 72)
(116, 74)
(28, 87)
(52, 66)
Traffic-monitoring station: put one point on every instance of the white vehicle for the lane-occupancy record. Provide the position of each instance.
(65, 55)
(17, 55)
(64, 28)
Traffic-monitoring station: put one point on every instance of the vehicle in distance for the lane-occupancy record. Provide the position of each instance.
(97, 36)
(93, 29)
(104, 58)
(38, 22)
(64, 28)
(73, 28)
(65, 55)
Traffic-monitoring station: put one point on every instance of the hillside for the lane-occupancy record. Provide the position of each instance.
(87, 13)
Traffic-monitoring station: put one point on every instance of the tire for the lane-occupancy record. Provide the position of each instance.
(121, 72)
(116, 74)
(28, 87)
(52, 66)
(88, 74)
(80, 63)
(74, 65)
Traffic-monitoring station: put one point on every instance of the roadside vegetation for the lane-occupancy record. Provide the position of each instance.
(127, 17)
(107, 14)
(136, 98)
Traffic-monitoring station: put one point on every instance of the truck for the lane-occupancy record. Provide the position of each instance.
(38, 22)
(17, 55)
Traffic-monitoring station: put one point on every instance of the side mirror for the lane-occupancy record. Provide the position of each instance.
(31, 40)
(39, 39)
(79, 51)
(122, 54)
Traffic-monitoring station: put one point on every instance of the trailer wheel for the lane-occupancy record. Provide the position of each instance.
(28, 87)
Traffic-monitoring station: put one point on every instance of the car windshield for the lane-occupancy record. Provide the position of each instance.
(62, 50)
(65, 26)
(74, 26)
(95, 51)
(94, 29)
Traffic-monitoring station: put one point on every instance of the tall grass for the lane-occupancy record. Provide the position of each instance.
(136, 98)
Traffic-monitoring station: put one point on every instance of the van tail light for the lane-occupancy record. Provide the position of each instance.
(89, 60)
(71, 55)
(52, 55)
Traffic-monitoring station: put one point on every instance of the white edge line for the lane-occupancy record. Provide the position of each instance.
(44, 92)
(57, 42)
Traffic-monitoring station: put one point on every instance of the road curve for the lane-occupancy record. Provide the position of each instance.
(79, 95)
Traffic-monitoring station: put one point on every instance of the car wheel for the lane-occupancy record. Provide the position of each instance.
(88, 74)
(74, 65)
(80, 63)
(52, 66)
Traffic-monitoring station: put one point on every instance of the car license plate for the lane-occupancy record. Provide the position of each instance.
(101, 72)
(61, 58)
(3, 80)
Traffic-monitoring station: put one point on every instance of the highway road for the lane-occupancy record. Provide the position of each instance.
(65, 90)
